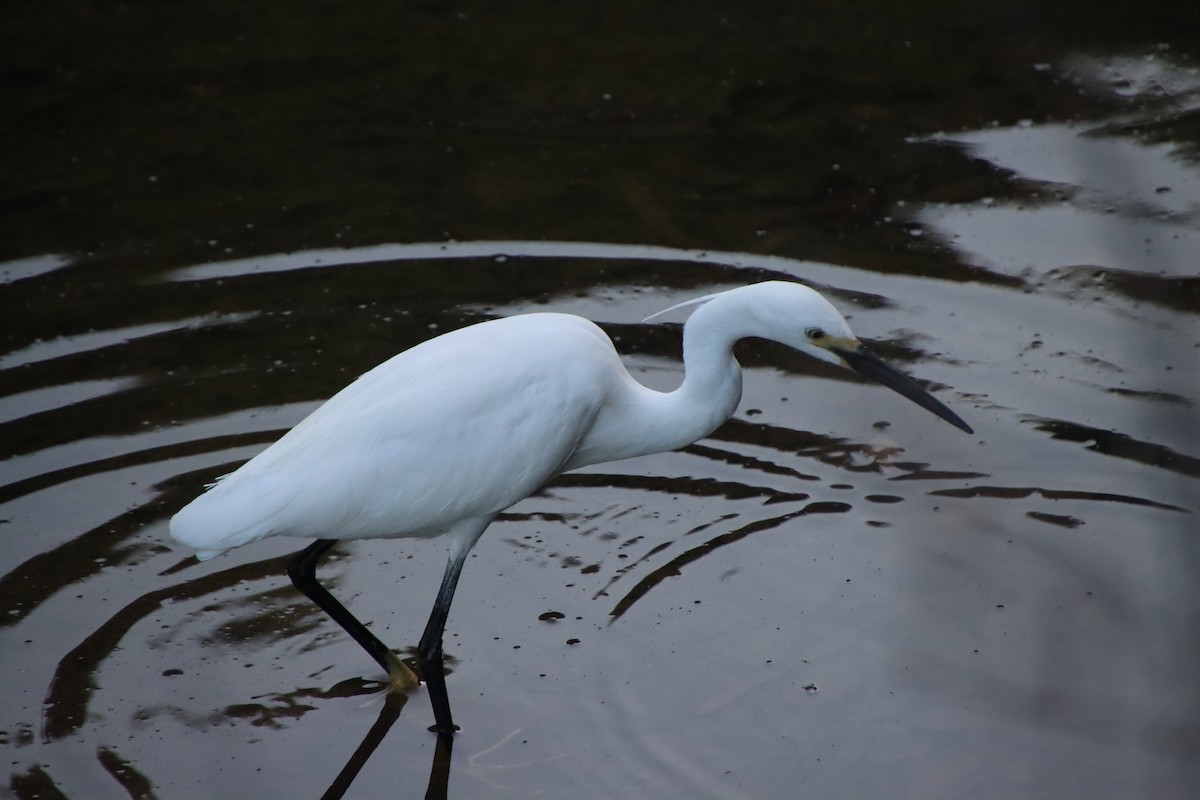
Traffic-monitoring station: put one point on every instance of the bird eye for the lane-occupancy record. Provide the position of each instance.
(815, 334)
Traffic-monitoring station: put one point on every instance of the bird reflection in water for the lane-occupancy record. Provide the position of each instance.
(393, 703)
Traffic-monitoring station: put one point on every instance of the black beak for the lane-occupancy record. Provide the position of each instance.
(867, 363)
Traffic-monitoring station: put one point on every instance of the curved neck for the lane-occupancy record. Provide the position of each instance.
(712, 381)
(641, 421)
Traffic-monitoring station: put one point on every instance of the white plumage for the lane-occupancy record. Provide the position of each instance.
(443, 437)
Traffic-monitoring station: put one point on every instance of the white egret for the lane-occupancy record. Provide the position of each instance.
(441, 438)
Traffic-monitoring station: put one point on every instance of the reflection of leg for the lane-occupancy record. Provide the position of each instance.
(439, 771)
(392, 703)
(429, 650)
(303, 572)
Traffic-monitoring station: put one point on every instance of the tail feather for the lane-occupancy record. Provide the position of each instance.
(230, 514)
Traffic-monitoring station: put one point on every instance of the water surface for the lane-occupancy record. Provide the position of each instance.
(221, 215)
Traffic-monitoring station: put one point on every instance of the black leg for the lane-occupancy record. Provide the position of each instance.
(303, 572)
(429, 649)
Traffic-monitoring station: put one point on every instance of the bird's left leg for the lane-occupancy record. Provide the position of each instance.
(303, 572)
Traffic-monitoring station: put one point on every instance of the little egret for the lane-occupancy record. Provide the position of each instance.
(441, 438)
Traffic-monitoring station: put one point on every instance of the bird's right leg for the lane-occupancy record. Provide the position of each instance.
(303, 572)
(429, 650)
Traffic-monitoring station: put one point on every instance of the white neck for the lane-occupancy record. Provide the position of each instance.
(712, 383)
(642, 421)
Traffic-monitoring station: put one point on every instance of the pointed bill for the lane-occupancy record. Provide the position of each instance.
(867, 363)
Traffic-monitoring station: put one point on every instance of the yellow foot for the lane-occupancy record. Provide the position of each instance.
(401, 678)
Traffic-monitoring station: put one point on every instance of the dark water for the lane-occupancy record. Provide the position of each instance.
(215, 216)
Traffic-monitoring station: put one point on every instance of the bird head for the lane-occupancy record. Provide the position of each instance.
(820, 331)
(800, 317)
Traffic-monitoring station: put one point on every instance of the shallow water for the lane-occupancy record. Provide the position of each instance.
(835, 595)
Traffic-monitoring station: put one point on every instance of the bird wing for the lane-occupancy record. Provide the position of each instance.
(464, 425)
